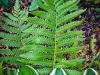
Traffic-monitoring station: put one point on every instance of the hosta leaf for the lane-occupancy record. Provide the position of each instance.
(90, 71)
(58, 71)
(34, 5)
(27, 70)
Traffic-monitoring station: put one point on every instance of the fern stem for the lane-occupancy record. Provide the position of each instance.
(20, 33)
(55, 40)
(54, 53)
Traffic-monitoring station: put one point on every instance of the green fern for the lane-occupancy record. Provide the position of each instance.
(53, 37)
(13, 38)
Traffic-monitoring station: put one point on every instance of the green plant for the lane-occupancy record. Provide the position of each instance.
(95, 1)
(58, 71)
(1, 69)
(5, 3)
(34, 5)
(27, 70)
(97, 9)
(44, 41)
(53, 38)
(90, 71)
(92, 44)
(13, 38)
(95, 63)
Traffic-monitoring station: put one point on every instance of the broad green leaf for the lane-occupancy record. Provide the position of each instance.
(34, 5)
(90, 71)
(95, 63)
(27, 70)
(5, 1)
(58, 71)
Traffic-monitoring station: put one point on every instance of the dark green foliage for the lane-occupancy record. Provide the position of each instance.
(34, 5)
(90, 71)
(58, 71)
(5, 3)
(53, 37)
(96, 63)
(27, 70)
(95, 1)
(98, 11)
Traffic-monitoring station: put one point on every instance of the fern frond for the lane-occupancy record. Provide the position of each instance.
(52, 36)
(12, 38)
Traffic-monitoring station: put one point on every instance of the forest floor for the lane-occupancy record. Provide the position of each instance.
(91, 25)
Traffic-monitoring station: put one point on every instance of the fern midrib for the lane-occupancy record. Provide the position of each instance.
(54, 51)
(55, 38)
(20, 32)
